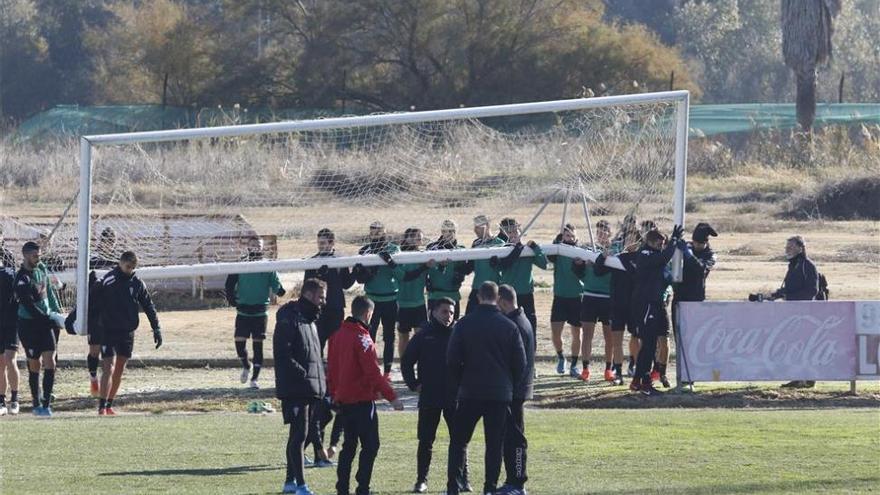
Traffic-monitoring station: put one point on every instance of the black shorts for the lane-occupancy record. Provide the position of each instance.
(595, 309)
(251, 327)
(36, 337)
(652, 320)
(567, 309)
(622, 319)
(96, 334)
(411, 318)
(9, 336)
(117, 343)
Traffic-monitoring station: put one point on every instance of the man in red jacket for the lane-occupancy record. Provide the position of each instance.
(355, 380)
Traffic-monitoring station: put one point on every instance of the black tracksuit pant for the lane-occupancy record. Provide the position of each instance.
(468, 413)
(527, 303)
(385, 313)
(473, 302)
(328, 323)
(515, 445)
(651, 321)
(320, 416)
(361, 425)
(298, 417)
(429, 420)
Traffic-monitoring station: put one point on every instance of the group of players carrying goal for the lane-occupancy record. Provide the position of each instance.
(584, 294)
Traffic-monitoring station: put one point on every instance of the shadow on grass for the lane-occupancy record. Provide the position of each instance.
(158, 397)
(769, 487)
(235, 470)
(566, 393)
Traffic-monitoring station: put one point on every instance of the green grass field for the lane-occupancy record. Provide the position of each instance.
(609, 451)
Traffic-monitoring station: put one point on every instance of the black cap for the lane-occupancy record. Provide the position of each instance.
(29, 247)
(702, 232)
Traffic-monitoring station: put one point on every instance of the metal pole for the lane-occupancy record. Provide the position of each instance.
(565, 209)
(681, 137)
(587, 215)
(540, 210)
(84, 236)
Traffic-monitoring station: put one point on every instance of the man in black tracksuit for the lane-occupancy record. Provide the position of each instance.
(622, 288)
(651, 283)
(699, 259)
(801, 284)
(299, 372)
(337, 280)
(426, 351)
(122, 293)
(515, 444)
(486, 357)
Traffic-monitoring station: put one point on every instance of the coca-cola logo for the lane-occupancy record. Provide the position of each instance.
(798, 341)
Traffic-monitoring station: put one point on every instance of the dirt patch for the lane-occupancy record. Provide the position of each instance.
(755, 398)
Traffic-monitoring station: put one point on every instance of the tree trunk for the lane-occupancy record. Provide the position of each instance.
(806, 98)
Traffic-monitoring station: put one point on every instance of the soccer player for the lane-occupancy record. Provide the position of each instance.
(517, 271)
(355, 381)
(651, 283)
(381, 287)
(122, 293)
(103, 259)
(411, 278)
(596, 307)
(445, 279)
(9, 375)
(483, 270)
(337, 280)
(622, 286)
(699, 260)
(299, 373)
(486, 358)
(37, 321)
(567, 293)
(250, 293)
(423, 366)
(515, 444)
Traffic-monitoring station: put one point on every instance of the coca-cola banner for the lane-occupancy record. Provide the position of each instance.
(774, 341)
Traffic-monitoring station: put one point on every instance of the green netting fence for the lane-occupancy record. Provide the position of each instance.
(705, 120)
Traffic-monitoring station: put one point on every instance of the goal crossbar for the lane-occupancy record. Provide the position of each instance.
(679, 98)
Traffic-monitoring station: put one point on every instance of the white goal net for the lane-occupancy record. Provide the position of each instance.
(189, 201)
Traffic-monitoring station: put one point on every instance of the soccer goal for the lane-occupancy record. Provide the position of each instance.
(189, 201)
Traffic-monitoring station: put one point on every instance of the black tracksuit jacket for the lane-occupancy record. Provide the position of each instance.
(299, 369)
(427, 351)
(121, 295)
(486, 355)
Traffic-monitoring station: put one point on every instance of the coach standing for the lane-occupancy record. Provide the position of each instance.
(486, 357)
(299, 373)
(801, 284)
(515, 444)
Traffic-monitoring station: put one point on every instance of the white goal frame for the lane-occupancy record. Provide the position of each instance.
(680, 98)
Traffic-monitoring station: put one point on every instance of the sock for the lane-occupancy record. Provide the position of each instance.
(93, 366)
(258, 359)
(632, 362)
(661, 367)
(2, 400)
(607, 365)
(585, 364)
(14, 396)
(48, 385)
(618, 369)
(34, 382)
(560, 355)
(241, 350)
(102, 404)
(109, 402)
(574, 360)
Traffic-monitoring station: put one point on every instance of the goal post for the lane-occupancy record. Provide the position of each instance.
(613, 139)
